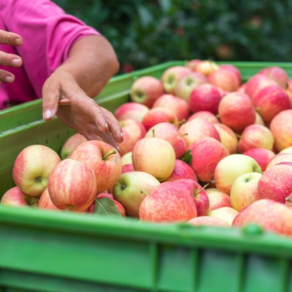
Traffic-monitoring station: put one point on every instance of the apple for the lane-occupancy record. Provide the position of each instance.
(204, 115)
(279, 158)
(145, 90)
(131, 110)
(270, 101)
(104, 195)
(206, 154)
(230, 168)
(72, 185)
(261, 156)
(197, 129)
(259, 120)
(133, 131)
(281, 127)
(268, 214)
(168, 203)
(244, 190)
(171, 76)
(217, 199)
(256, 136)
(288, 90)
(192, 64)
(154, 156)
(127, 168)
(287, 150)
(236, 111)
(234, 70)
(103, 159)
(188, 83)
(175, 105)
(15, 197)
(132, 188)
(225, 213)
(225, 79)
(32, 168)
(241, 88)
(208, 221)
(205, 97)
(45, 201)
(227, 137)
(277, 74)
(70, 144)
(206, 67)
(127, 158)
(181, 170)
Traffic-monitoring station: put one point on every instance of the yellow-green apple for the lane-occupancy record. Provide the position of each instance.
(236, 111)
(192, 64)
(276, 182)
(174, 104)
(217, 199)
(132, 188)
(72, 185)
(281, 127)
(280, 157)
(45, 201)
(205, 97)
(168, 203)
(233, 69)
(270, 101)
(227, 137)
(70, 144)
(288, 90)
(206, 67)
(208, 221)
(127, 168)
(131, 110)
(206, 154)
(268, 214)
(188, 83)
(256, 83)
(32, 168)
(259, 120)
(225, 79)
(261, 156)
(181, 170)
(158, 115)
(204, 115)
(277, 74)
(198, 194)
(225, 213)
(256, 136)
(127, 158)
(169, 132)
(244, 190)
(287, 150)
(145, 90)
(103, 159)
(230, 168)
(171, 76)
(154, 156)
(133, 131)
(15, 197)
(197, 129)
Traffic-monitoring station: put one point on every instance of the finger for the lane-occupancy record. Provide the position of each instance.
(10, 38)
(114, 126)
(6, 76)
(10, 60)
(64, 101)
(51, 96)
(97, 116)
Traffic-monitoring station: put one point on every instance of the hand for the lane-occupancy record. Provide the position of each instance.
(63, 96)
(9, 60)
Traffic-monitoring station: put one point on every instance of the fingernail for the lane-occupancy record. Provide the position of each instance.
(18, 41)
(16, 62)
(121, 134)
(9, 79)
(48, 114)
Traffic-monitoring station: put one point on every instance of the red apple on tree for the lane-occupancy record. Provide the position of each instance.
(131, 110)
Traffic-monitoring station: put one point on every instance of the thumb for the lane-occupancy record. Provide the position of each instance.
(51, 96)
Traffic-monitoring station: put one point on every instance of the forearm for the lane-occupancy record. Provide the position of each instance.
(92, 62)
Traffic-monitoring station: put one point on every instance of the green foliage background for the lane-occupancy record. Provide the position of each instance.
(147, 32)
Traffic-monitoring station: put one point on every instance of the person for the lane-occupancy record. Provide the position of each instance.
(46, 53)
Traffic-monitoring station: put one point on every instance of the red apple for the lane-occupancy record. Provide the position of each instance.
(70, 144)
(227, 137)
(270, 215)
(206, 154)
(205, 97)
(145, 90)
(127, 168)
(277, 74)
(15, 197)
(261, 156)
(32, 168)
(281, 157)
(182, 170)
(234, 70)
(217, 199)
(208, 221)
(259, 120)
(236, 111)
(206, 67)
(104, 195)
(288, 90)
(241, 88)
(72, 185)
(131, 110)
(103, 159)
(45, 201)
(192, 64)
(168, 203)
(204, 115)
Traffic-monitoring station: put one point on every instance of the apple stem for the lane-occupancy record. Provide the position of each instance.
(144, 193)
(238, 136)
(257, 109)
(218, 116)
(153, 132)
(110, 153)
(181, 122)
(286, 85)
(185, 134)
(204, 187)
(288, 199)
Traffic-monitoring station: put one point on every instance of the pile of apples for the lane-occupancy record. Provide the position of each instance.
(200, 146)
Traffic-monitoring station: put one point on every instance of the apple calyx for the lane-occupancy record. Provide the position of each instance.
(153, 133)
(122, 187)
(108, 154)
(38, 179)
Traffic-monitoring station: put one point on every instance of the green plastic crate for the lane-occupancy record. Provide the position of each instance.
(59, 252)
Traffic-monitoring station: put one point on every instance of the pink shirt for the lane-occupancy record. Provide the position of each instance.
(48, 34)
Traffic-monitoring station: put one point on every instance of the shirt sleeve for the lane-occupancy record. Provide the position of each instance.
(48, 34)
